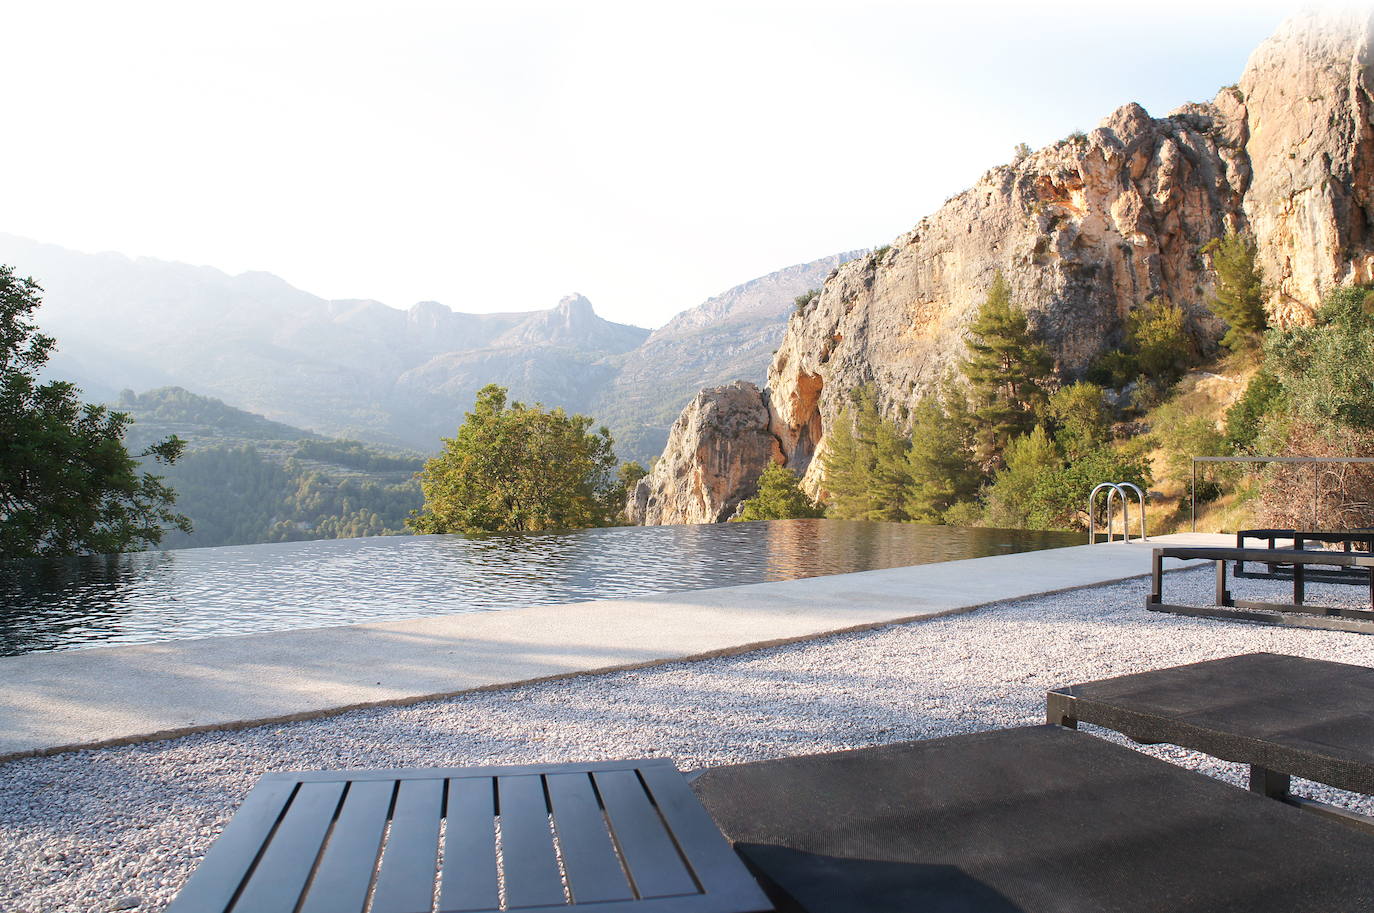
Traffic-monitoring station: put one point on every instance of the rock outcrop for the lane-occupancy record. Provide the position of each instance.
(729, 336)
(1093, 226)
(1305, 105)
(716, 451)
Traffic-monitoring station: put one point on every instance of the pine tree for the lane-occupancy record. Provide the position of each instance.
(1239, 296)
(779, 498)
(865, 463)
(1005, 368)
(940, 467)
(848, 458)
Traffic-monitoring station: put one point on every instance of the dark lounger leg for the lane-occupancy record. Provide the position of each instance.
(1059, 710)
(1223, 594)
(1268, 782)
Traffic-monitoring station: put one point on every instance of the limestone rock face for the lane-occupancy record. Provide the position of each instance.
(1306, 100)
(1088, 228)
(716, 451)
(1091, 227)
(1082, 231)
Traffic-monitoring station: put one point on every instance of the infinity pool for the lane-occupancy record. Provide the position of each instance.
(157, 596)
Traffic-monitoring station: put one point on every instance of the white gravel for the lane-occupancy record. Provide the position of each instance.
(122, 828)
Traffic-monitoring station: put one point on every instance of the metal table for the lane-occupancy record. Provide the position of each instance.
(616, 836)
(1285, 716)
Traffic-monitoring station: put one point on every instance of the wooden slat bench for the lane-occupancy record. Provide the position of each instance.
(1297, 613)
(615, 836)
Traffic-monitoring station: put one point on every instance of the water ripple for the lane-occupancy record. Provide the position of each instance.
(158, 596)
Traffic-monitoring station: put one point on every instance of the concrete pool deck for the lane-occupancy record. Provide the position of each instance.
(111, 695)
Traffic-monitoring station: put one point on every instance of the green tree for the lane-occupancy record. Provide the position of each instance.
(1059, 500)
(1239, 298)
(518, 468)
(865, 462)
(1006, 368)
(1327, 370)
(67, 483)
(847, 460)
(941, 471)
(1081, 418)
(1157, 350)
(779, 498)
(1263, 396)
(1157, 335)
(1028, 460)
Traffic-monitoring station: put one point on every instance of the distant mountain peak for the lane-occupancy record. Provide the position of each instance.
(574, 322)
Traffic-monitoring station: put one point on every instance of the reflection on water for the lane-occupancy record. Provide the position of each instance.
(157, 596)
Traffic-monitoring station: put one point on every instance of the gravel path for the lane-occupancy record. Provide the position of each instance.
(122, 828)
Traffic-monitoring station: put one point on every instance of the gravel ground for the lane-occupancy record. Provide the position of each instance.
(122, 828)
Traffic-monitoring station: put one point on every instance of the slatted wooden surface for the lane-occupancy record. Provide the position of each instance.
(622, 836)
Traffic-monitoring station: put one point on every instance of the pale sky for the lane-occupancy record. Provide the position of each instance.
(499, 156)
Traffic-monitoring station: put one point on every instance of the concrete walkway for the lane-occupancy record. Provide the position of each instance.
(82, 698)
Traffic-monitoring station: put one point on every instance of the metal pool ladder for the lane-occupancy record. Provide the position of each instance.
(1113, 489)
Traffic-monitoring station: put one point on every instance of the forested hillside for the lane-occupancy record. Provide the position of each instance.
(245, 479)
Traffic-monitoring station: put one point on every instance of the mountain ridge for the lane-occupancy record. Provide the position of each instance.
(358, 368)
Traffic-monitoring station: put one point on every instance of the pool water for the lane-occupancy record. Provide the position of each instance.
(157, 596)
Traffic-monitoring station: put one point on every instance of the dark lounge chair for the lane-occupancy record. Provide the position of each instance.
(1297, 613)
(1029, 820)
(611, 836)
(1348, 540)
(1285, 716)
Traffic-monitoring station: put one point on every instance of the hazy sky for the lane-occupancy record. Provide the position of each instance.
(498, 156)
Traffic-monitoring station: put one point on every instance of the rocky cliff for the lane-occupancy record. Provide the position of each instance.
(728, 336)
(721, 444)
(1084, 231)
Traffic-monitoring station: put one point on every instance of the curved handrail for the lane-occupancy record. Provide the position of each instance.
(1113, 488)
(1117, 491)
(1140, 495)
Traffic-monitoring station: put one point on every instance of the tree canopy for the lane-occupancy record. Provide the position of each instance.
(866, 462)
(518, 468)
(67, 483)
(1006, 367)
(1327, 370)
(1239, 298)
(779, 498)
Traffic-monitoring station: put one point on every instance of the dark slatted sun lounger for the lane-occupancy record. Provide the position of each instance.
(1347, 539)
(1285, 716)
(617, 836)
(1027, 821)
(1296, 613)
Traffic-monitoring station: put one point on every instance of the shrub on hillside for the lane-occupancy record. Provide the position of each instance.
(1346, 491)
(1327, 370)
